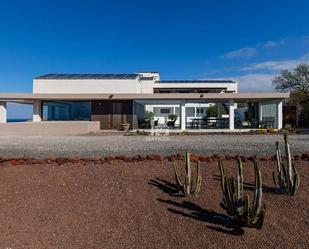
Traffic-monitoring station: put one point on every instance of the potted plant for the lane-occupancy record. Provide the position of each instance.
(149, 115)
(172, 118)
(125, 125)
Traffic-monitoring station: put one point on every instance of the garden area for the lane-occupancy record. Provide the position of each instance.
(135, 202)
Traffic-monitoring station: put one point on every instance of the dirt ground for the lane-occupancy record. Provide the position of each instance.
(132, 205)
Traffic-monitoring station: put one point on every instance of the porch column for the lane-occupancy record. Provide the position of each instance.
(231, 114)
(3, 112)
(183, 116)
(279, 114)
(260, 111)
(37, 111)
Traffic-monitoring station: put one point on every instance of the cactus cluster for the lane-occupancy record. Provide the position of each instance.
(286, 178)
(237, 204)
(191, 185)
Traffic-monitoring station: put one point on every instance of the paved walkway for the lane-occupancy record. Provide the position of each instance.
(117, 144)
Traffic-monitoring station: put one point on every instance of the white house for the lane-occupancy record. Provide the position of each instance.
(112, 99)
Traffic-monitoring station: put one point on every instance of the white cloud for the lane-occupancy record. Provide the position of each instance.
(254, 82)
(262, 82)
(273, 44)
(277, 65)
(243, 52)
(272, 65)
(305, 57)
(251, 51)
(270, 44)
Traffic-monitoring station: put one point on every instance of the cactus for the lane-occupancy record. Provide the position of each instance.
(286, 178)
(190, 186)
(237, 204)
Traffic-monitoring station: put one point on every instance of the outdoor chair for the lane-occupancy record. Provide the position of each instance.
(171, 124)
(267, 122)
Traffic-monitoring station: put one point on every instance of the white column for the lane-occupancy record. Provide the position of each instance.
(231, 114)
(37, 111)
(279, 114)
(260, 111)
(3, 112)
(183, 116)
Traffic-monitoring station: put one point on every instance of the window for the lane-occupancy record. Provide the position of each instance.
(65, 110)
(165, 111)
(190, 111)
(199, 110)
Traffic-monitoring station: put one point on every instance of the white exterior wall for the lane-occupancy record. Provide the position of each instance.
(231, 87)
(85, 86)
(3, 112)
(146, 86)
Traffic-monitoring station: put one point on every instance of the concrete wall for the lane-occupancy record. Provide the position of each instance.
(50, 128)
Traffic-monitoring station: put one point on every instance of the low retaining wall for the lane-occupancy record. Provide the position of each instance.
(51, 128)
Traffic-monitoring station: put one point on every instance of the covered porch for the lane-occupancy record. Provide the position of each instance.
(181, 111)
(207, 114)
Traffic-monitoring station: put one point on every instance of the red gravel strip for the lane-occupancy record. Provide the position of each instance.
(117, 204)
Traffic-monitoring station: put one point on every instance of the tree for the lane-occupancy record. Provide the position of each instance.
(297, 82)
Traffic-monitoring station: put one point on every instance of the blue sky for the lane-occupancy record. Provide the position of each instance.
(248, 41)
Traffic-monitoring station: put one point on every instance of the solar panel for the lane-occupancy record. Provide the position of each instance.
(119, 76)
(109, 76)
(130, 76)
(88, 76)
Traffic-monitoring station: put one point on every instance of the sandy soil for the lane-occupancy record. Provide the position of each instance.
(132, 205)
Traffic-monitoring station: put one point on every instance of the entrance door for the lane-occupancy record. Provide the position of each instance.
(111, 113)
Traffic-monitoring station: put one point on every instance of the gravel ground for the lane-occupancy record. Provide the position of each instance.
(116, 144)
(133, 205)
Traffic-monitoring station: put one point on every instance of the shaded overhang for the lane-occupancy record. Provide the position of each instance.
(29, 97)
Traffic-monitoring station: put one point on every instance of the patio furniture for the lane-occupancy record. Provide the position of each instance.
(254, 123)
(267, 122)
(146, 124)
(171, 124)
(197, 123)
(209, 123)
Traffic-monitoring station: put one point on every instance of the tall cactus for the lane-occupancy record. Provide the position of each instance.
(286, 178)
(189, 186)
(237, 204)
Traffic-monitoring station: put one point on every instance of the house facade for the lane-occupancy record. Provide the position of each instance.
(141, 98)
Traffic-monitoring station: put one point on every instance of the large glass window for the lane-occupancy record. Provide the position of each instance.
(66, 110)
(247, 115)
(268, 115)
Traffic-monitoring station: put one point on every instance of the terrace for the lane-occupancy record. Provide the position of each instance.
(194, 111)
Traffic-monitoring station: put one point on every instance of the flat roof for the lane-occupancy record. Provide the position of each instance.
(151, 96)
